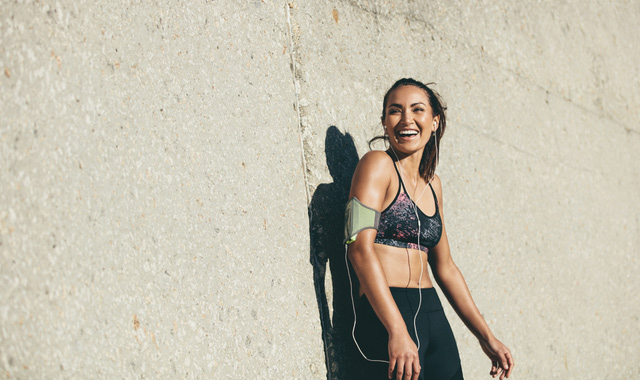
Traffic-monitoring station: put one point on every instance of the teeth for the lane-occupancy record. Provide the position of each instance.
(407, 133)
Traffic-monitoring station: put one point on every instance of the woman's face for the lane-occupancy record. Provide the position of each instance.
(408, 119)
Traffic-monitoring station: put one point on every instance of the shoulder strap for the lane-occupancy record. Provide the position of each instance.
(435, 198)
(395, 166)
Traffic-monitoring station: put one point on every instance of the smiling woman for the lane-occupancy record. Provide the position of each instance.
(399, 325)
(434, 109)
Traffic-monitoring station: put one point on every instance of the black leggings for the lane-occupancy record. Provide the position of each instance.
(439, 358)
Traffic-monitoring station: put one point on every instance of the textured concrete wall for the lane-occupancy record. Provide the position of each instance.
(172, 174)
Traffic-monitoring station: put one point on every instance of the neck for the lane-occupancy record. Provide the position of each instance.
(410, 164)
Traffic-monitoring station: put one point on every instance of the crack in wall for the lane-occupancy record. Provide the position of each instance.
(489, 137)
(519, 78)
(296, 86)
(473, 50)
(540, 157)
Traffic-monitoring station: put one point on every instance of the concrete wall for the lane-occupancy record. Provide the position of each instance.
(172, 174)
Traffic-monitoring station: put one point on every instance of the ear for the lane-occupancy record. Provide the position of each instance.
(436, 120)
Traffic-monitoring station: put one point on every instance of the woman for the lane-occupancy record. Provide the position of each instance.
(400, 327)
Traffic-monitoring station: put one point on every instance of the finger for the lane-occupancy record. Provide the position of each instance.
(494, 368)
(416, 370)
(503, 373)
(504, 363)
(512, 363)
(408, 370)
(399, 369)
(392, 365)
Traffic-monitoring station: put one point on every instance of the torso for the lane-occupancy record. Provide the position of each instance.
(397, 237)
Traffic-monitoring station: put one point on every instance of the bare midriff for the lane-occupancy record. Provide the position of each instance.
(402, 266)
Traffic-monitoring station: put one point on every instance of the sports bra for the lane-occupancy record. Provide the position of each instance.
(398, 225)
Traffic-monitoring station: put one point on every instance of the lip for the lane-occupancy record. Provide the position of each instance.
(407, 137)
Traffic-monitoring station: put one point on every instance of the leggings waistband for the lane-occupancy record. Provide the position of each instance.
(409, 298)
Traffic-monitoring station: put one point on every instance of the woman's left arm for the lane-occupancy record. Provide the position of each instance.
(452, 283)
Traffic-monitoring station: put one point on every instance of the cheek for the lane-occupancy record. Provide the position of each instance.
(426, 122)
(391, 120)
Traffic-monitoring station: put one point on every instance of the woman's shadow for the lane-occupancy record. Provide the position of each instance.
(326, 228)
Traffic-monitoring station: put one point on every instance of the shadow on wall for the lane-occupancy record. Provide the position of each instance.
(326, 225)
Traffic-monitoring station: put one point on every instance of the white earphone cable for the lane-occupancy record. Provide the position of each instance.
(415, 209)
(355, 317)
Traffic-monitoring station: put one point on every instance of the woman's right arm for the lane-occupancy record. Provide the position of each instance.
(370, 183)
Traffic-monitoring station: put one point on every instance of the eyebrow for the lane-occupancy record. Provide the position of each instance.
(399, 106)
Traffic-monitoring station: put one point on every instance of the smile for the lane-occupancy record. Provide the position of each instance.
(407, 133)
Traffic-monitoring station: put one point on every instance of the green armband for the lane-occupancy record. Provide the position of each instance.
(358, 217)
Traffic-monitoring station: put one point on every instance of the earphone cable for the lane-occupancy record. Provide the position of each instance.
(346, 251)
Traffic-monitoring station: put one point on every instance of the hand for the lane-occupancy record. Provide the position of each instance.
(502, 362)
(403, 357)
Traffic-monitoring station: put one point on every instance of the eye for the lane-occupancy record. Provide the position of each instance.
(393, 111)
(418, 109)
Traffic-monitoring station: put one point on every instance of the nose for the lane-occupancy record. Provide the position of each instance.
(407, 117)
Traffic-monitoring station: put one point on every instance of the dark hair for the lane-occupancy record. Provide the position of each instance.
(438, 108)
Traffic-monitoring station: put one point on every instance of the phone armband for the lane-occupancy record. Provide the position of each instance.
(358, 217)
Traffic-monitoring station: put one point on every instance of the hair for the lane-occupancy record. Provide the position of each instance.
(438, 107)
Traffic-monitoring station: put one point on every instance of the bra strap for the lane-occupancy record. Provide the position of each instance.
(435, 199)
(395, 166)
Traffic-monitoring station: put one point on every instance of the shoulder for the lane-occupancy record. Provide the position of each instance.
(437, 187)
(376, 160)
(375, 165)
(436, 183)
(372, 178)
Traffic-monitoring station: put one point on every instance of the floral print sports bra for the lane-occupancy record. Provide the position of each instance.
(398, 225)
